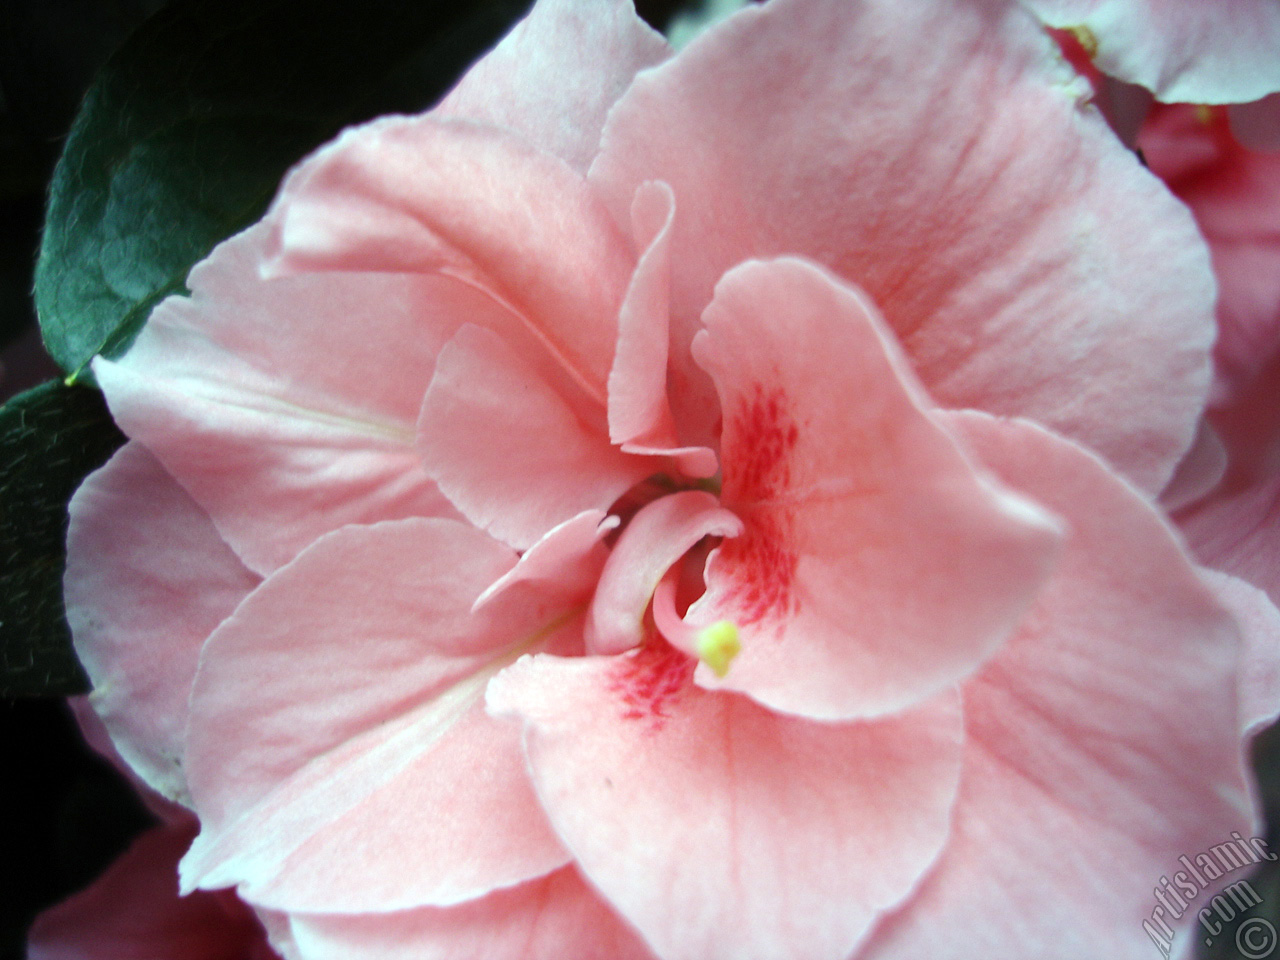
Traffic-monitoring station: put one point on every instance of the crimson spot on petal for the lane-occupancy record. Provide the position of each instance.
(758, 448)
(651, 678)
(763, 566)
(759, 444)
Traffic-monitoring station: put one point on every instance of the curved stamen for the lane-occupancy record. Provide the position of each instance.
(715, 645)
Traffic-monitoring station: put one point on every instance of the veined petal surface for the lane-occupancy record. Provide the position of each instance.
(1026, 261)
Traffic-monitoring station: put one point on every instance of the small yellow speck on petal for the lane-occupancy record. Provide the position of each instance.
(1204, 114)
(1087, 39)
(718, 645)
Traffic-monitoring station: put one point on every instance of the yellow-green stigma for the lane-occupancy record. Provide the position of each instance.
(718, 645)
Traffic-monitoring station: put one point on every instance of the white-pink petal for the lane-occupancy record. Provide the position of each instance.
(1185, 51)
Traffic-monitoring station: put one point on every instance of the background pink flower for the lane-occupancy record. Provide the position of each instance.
(1184, 51)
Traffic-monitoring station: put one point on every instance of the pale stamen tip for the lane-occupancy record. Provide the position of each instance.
(717, 646)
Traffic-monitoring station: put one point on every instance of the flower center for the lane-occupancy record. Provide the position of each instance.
(715, 645)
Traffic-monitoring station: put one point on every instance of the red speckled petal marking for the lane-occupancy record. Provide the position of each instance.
(877, 563)
(650, 680)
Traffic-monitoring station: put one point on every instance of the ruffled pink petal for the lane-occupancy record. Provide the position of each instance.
(639, 412)
(133, 910)
(658, 536)
(1025, 260)
(1259, 623)
(418, 194)
(554, 77)
(568, 559)
(555, 918)
(338, 752)
(1234, 193)
(148, 578)
(1102, 742)
(286, 409)
(507, 449)
(1185, 51)
(721, 829)
(638, 407)
(878, 564)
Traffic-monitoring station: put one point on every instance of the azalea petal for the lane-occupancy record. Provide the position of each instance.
(95, 734)
(419, 194)
(1259, 623)
(286, 409)
(148, 578)
(554, 918)
(554, 77)
(1234, 193)
(1025, 260)
(338, 752)
(878, 564)
(639, 413)
(133, 910)
(718, 828)
(1102, 742)
(507, 449)
(638, 405)
(568, 558)
(1183, 50)
(656, 538)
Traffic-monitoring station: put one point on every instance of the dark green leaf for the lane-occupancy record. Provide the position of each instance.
(50, 439)
(188, 129)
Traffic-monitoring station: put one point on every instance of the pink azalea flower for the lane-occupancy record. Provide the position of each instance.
(133, 909)
(1225, 165)
(1234, 192)
(1185, 51)
(686, 506)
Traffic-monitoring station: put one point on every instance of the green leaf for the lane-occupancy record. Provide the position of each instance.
(50, 439)
(185, 134)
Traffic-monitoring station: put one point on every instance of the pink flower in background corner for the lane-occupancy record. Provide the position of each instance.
(1224, 163)
(700, 507)
(133, 909)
